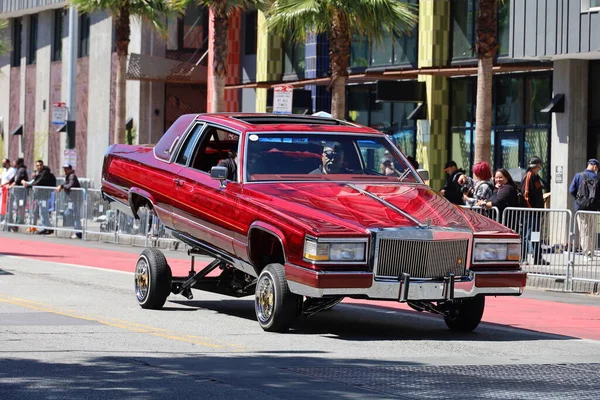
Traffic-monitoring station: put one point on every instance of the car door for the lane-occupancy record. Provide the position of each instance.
(204, 209)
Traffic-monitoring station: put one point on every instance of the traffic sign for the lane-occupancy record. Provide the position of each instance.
(59, 113)
(282, 99)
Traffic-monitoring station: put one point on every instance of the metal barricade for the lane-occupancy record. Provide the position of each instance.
(70, 210)
(491, 213)
(42, 211)
(133, 229)
(100, 218)
(585, 254)
(17, 213)
(545, 242)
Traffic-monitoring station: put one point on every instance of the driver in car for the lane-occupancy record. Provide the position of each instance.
(332, 159)
(231, 164)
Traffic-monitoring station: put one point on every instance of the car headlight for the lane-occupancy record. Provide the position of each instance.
(490, 251)
(334, 251)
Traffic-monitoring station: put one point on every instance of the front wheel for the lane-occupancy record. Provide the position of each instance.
(275, 306)
(465, 315)
(152, 279)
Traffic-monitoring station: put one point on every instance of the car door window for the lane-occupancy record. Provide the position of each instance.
(187, 149)
(216, 145)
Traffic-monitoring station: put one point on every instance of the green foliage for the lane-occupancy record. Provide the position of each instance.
(230, 5)
(4, 46)
(372, 19)
(151, 10)
(130, 135)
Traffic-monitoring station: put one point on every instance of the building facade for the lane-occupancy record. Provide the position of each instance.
(567, 33)
(169, 76)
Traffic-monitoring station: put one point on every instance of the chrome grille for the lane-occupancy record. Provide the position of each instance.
(421, 258)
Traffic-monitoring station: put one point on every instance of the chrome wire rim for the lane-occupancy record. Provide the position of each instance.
(142, 279)
(265, 299)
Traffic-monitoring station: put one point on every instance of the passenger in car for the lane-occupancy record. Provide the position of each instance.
(231, 164)
(332, 160)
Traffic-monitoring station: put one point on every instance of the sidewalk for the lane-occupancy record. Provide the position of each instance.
(569, 314)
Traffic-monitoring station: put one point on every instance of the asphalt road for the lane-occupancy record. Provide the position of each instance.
(70, 328)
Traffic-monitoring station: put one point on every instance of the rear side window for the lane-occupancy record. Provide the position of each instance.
(187, 149)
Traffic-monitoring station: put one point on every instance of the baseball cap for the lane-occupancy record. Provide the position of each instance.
(450, 164)
(534, 161)
(67, 165)
(593, 161)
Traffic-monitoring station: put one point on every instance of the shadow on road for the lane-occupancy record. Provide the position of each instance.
(263, 377)
(355, 322)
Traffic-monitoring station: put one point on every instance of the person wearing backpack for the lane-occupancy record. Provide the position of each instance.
(584, 188)
(532, 188)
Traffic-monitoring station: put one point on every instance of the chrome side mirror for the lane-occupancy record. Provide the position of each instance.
(219, 173)
(424, 174)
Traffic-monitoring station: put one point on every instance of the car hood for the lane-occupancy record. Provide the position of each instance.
(338, 207)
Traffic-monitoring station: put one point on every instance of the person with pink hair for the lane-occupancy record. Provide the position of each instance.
(482, 187)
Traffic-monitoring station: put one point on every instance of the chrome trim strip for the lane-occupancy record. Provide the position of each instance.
(389, 205)
(417, 289)
(358, 273)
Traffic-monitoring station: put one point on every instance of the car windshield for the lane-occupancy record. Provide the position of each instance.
(326, 156)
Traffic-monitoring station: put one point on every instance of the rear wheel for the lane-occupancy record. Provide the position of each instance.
(465, 315)
(276, 307)
(152, 279)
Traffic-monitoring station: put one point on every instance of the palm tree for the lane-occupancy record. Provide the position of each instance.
(221, 10)
(153, 11)
(3, 43)
(486, 47)
(341, 19)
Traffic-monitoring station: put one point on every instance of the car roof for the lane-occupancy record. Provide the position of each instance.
(264, 122)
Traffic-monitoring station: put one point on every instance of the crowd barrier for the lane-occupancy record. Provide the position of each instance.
(559, 251)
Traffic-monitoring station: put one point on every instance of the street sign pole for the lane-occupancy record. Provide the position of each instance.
(72, 78)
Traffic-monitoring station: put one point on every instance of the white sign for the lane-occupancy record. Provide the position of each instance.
(70, 157)
(282, 99)
(59, 113)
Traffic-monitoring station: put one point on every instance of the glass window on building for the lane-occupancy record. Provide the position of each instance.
(359, 52)
(358, 105)
(57, 35)
(538, 91)
(193, 27)
(33, 36)
(503, 27)
(294, 63)
(250, 32)
(463, 29)
(404, 131)
(17, 27)
(509, 102)
(382, 53)
(84, 35)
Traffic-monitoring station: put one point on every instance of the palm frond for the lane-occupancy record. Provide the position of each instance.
(230, 5)
(4, 43)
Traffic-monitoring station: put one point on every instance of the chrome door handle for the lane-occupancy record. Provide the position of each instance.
(179, 182)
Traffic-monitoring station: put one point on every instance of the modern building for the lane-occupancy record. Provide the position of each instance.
(429, 74)
(567, 33)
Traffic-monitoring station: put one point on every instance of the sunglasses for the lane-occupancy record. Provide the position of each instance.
(332, 153)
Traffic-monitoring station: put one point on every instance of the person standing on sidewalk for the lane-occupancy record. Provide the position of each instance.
(19, 193)
(533, 193)
(74, 199)
(44, 179)
(586, 191)
(452, 189)
(8, 173)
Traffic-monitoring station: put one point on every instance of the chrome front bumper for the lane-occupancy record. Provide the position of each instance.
(426, 290)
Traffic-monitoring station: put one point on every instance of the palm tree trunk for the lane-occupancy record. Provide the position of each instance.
(220, 49)
(122, 33)
(483, 118)
(486, 47)
(339, 55)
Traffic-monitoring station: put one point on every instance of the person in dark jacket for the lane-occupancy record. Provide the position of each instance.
(73, 200)
(231, 164)
(586, 222)
(505, 194)
(43, 179)
(452, 189)
(19, 194)
(532, 187)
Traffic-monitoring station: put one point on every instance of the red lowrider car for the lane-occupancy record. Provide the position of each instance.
(302, 211)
